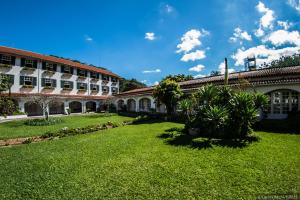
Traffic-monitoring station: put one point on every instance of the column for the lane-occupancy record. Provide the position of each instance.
(66, 107)
(83, 106)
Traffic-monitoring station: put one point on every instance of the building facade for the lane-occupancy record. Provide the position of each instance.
(75, 87)
(282, 85)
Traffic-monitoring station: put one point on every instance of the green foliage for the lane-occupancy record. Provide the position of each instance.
(222, 112)
(178, 77)
(284, 61)
(4, 83)
(28, 141)
(43, 122)
(7, 106)
(169, 93)
(215, 73)
(186, 108)
(126, 85)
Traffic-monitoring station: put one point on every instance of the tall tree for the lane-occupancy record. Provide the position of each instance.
(126, 85)
(178, 77)
(168, 92)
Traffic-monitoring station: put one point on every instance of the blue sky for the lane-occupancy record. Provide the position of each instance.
(149, 39)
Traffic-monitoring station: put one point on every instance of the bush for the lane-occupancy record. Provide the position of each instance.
(43, 122)
(223, 113)
(7, 106)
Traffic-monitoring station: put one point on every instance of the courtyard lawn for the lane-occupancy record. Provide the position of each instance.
(139, 162)
(16, 129)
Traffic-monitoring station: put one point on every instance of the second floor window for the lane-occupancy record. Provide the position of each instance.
(27, 81)
(47, 82)
(81, 86)
(66, 84)
(105, 89)
(94, 88)
(28, 63)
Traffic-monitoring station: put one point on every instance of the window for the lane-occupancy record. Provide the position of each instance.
(284, 101)
(105, 89)
(9, 76)
(105, 78)
(94, 87)
(114, 90)
(6, 58)
(113, 79)
(67, 84)
(81, 72)
(28, 63)
(49, 66)
(48, 82)
(94, 75)
(81, 86)
(28, 80)
(67, 69)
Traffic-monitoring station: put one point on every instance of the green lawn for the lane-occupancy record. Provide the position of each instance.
(137, 162)
(19, 129)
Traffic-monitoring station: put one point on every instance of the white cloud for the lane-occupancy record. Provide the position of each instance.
(88, 38)
(285, 24)
(156, 83)
(169, 8)
(151, 71)
(222, 68)
(199, 76)
(197, 68)
(190, 40)
(150, 36)
(263, 54)
(268, 17)
(295, 4)
(196, 55)
(144, 81)
(266, 21)
(240, 34)
(281, 37)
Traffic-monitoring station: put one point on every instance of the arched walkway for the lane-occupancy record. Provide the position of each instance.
(282, 102)
(91, 106)
(121, 104)
(131, 105)
(56, 107)
(75, 107)
(144, 105)
(33, 109)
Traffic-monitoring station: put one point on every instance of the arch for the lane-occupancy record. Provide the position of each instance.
(91, 106)
(144, 104)
(56, 107)
(120, 104)
(75, 107)
(131, 105)
(282, 102)
(33, 109)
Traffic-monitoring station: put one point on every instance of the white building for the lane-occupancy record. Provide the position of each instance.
(77, 87)
(282, 85)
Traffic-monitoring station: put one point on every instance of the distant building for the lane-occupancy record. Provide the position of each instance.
(78, 87)
(282, 85)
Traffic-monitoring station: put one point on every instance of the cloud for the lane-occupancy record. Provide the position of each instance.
(168, 8)
(263, 54)
(151, 71)
(266, 21)
(197, 68)
(281, 37)
(240, 35)
(197, 55)
(144, 81)
(88, 38)
(150, 36)
(190, 40)
(222, 68)
(199, 76)
(156, 83)
(295, 4)
(285, 24)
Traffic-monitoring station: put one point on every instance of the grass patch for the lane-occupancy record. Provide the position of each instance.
(136, 162)
(43, 122)
(18, 128)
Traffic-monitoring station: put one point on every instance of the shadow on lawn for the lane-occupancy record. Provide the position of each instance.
(177, 137)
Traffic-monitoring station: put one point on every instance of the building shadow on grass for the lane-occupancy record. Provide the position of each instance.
(177, 137)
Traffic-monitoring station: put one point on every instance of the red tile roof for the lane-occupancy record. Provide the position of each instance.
(19, 52)
(265, 76)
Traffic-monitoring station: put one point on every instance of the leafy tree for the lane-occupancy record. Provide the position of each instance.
(215, 73)
(126, 85)
(43, 102)
(168, 92)
(4, 83)
(178, 77)
(284, 61)
(7, 106)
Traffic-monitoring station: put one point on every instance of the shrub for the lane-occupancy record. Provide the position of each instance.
(222, 112)
(7, 106)
(43, 122)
